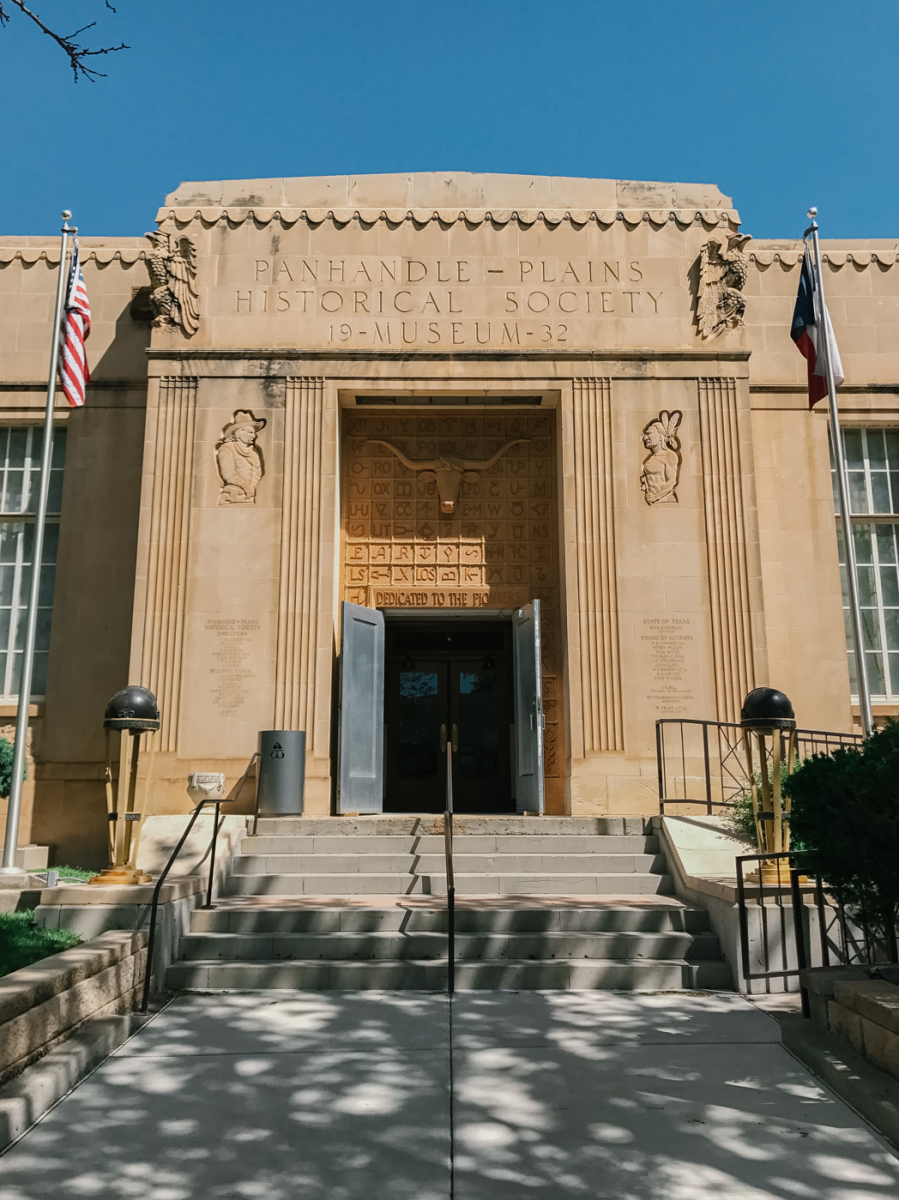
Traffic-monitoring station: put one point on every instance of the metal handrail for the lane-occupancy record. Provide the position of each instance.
(450, 876)
(154, 904)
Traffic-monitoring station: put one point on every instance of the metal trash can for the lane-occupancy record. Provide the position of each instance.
(282, 773)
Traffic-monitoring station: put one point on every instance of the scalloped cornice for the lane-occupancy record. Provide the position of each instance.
(659, 217)
(33, 254)
(834, 258)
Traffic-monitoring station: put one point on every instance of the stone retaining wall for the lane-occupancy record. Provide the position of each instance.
(43, 1004)
(862, 1010)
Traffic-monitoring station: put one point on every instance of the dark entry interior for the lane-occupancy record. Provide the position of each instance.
(448, 674)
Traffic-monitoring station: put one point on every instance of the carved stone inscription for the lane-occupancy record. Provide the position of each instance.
(452, 301)
(231, 644)
(494, 546)
(669, 665)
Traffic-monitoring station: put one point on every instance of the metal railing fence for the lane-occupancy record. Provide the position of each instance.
(703, 763)
(797, 923)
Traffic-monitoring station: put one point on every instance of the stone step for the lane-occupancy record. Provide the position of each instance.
(555, 974)
(649, 918)
(468, 947)
(420, 824)
(373, 863)
(535, 843)
(359, 883)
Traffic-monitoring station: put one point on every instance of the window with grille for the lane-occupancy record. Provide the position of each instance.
(20, 464)
(872, 458)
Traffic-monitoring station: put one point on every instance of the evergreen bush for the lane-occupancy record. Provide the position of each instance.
(7, 750)
(846, 817)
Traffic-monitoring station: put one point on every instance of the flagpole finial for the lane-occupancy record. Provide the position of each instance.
(812, 213)
(66, 215)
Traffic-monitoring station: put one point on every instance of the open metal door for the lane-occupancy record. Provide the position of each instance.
(360, 734)
(529, 720)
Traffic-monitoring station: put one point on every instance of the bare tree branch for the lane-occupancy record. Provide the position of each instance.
(76, 53)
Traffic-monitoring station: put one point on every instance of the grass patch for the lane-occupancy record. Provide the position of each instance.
(23, 943)
(74, 873)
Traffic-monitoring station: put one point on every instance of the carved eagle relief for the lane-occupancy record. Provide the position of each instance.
(723, 270)
(172, 264)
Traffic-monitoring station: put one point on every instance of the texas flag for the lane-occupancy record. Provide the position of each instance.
(808, 331)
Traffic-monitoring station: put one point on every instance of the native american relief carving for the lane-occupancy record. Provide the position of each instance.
(173, 274)
(659, 476)
(721, 304)
(449, 472)
(239, 460)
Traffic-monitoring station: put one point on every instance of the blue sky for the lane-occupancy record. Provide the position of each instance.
(781, 104)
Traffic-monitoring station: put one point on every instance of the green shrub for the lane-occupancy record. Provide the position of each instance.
(23, 943)
(846, 816)
(7, 750)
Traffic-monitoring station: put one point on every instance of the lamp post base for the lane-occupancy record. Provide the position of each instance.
(773, 874)
(122, 875)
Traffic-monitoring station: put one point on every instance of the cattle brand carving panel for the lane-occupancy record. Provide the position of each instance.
(496, 547)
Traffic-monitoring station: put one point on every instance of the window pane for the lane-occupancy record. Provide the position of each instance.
(891, 437)
(39, 674)
(889, 585)
(864, 551)
(867, 592)
(886, 544)
(880, 492)
(871, 629)
(891, 625)
(894, 490)
(17, 447)
(876, 683)
(858, 492)
(876, 448)
(16, 548)
(855, 456)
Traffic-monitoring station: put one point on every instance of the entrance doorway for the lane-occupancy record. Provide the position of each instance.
(401, 679)
(445, 680)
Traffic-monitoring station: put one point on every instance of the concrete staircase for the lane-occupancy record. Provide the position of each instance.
(550, 902)
(494, 856)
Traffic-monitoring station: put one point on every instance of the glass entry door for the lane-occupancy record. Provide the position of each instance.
(449, 680)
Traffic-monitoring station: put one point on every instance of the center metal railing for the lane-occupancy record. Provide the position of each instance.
(154, 904)
(452, 743)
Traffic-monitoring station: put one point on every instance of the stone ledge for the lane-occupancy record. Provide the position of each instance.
(28, 1097)
(117, 895)
(872, 1093)
(35, 1032)
(30, 986)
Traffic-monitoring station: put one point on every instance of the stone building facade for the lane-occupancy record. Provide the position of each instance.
(441, 397)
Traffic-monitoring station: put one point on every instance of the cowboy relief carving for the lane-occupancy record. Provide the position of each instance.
(239, 460)
(448, 471)
(661, 469)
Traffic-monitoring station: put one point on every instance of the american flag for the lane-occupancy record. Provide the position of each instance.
(73, 370)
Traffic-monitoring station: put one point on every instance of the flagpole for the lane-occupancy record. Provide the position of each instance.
(855, 608)
(18, 763)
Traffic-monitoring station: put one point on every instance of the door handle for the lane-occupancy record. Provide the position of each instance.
(455, 739)
(443, 739)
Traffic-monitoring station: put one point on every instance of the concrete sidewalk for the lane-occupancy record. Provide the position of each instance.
(339, 1096)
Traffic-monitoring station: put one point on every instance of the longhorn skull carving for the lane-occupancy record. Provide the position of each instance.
(448, 470)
